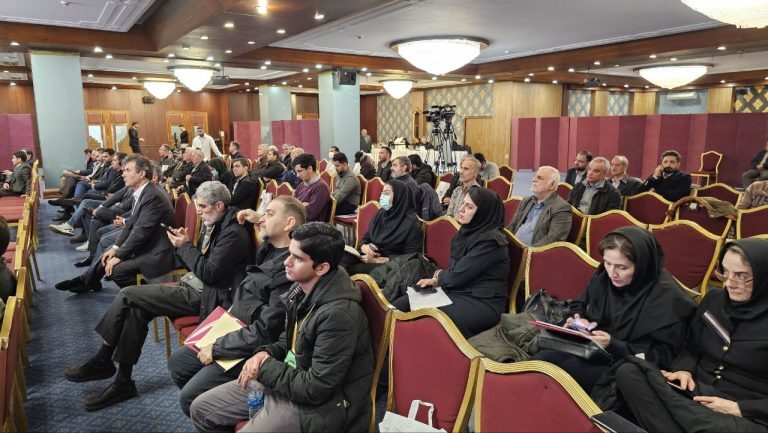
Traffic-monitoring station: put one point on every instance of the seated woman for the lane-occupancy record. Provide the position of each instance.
(221, 172)
(633, 304)
(476, 278)
(724, 360)
(393, 231)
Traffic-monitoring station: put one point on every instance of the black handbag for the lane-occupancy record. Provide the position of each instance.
(578, 346)
(545, 308)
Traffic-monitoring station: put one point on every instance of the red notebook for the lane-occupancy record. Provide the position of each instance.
(560, 329)
(203, 328)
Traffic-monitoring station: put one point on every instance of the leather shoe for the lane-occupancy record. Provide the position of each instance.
(79, 239)
(56, 202)
(85, 288)
(85, 262)
(115, 393)
(69, 284)
(91, 370)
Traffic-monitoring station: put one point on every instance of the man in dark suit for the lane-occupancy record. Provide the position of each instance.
(142, 246)
(365, 141)
(199, 173)
(759, 170)
(18, 181)
(133, 138)
(384, 167)
(234, 150)
(626, 184)
(245, 192)
(183, 136)
(668, 180)
(578, 172)
(543, 217)
(595, 194)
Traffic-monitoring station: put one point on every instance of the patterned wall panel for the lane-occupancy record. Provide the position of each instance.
(393, 118)
(469, 101)
(696, 105)
(751, 100)
(618, 103)
(579, 103)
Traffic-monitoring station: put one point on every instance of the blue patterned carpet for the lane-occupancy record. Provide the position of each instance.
(62, 336)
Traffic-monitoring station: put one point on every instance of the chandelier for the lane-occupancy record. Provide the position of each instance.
(671, 76)
(439, 54)
(194, 77)
(159, 89)
(397, 88)
(741, 13)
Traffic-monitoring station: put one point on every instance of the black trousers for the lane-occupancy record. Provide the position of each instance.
(124, 274)
(194, 378)
(652, 409)
(126, 323)
(584, 372)
(470, 314)
(345, 208)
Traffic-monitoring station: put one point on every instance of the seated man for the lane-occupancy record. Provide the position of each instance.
(384, 167)
(421, 172)
(312, 192)
(468, 172)
(578, 172)
(543, 217)
(317, 376)
(234, 150)
(199, 173)
(216, 266)
(401, 170)
(245, 192)
(256, 301)
(18, 181)
(488, 170)
(759, 170)
(289, 175)
(166, 157)
(755, 195)
(624, 183)
(183, 167)
(272, 169)
(595, 194)
(347, 189)
(105, 173)
(142, 246)
(7, 278)
(69, 178)
(668, 180)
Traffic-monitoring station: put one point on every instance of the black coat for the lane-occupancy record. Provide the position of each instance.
(758, 158)
(222, 267)
(605, 199)
(133, 139)
(424, 174)
(631, 187)
(270, 170)
(246, 195)
(385, 173)
(672, 188)
(180, 172)
(367, 170)
(570, 176)
(331, 383)
(201, 173)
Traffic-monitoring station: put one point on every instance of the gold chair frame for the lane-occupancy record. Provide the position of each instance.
(623, 213)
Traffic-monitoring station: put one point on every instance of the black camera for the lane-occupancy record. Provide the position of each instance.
(438, 113)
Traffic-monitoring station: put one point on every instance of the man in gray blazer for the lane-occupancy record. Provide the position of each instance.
(17, 182)
(543, 217)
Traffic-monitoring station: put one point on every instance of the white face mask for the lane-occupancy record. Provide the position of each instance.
(330, 155)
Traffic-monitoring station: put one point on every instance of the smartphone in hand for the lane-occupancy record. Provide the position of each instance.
(676, 386)
(167, 228)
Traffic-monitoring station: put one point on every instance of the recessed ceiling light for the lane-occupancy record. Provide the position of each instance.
(114, 87)
(64, 2)
(166, 61)
(721, 48)
(550, 68)
(185, 47)
(228, 51)
(204, 37)
(247, 90)
(7, 72)
(477, 77)
(134, 77)
(531, 74)
(673, 59)
(309, 78)
(766, 78)
(108, 56)
(229, 25)
(319, 16)
(364, 69)
(251, 42)
(178, 90)
(284, 83)
(604, 84)
(97, 49)
(616, 66)
(490, 81)
(12, 83)
(89, 75)
(301, 85)
(434, 78)
(368, 74)
(597, 62)
(318, 66)
(209, 58)
(653, 56)
(218, 65)
(463, 80)
(247, 83)
(554, 81)
(14, 43)
(305, 70)
(506, 51)
(261, 7)
(171, 55)
(571, 70)
(263, 67)
(722, 81)
(267, 62)
(280, 31)
(626, 86)
(647, 86)
(527, 80)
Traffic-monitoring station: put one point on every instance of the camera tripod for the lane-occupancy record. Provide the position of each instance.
(441, 142)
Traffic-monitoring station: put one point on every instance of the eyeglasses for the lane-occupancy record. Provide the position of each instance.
(740, 278)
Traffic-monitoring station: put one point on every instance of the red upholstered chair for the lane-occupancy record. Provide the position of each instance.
(518, 252)
(12, 384)
(508, 173)
(500, 186)
(328, 179)
(322, 165)
(379, 312)
(373, 189)
(531, 396)
(429, 360)
(180, 209)
(717, 226)
(710, 166)
(445, 177)
(598, 226)
(564, 190)
(578, 225)
(272, 187)
(562, 268)
(438, 234)
(719, 191)
(365, 214)
(752, 222)
(332, 207)
(284, 188)
(363, 188)
(648, 207)
(191, 221)
(690, 253)
(510, 207)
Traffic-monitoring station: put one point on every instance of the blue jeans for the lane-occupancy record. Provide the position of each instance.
(81, 188)
(77, 218)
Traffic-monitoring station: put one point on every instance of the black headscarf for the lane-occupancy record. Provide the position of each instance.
(487, 223)
(653, 300)
(389, 229)
(757, 253)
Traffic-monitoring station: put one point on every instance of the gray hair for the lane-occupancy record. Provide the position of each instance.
(213, 192)
(622, 160)
(164, 146)
(197, 152)
(606, 163)
(476, 164)
(157, 172)
(404, 161)
(554, 175)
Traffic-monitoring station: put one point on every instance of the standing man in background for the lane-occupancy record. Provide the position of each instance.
(205, 143)
(133, 138)
(365, 141)
(183, 136)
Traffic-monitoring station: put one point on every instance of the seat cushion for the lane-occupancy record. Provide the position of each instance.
(346, 220)
(183, 322)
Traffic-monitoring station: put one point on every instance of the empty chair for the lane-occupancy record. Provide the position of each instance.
(710, 167)
(12, 384)
(365, 214)
(271, 187)
(500, 186)
(600, 225)
(564, 190)
(322, 165)
(752, 222)
(284, 188)
(719, 191)
(517, 254)
(648, 207)
(512, 397)
(508, 173)
(438, 234)
(510, 207)
(561, 268)
(327, 178)
(373, 188)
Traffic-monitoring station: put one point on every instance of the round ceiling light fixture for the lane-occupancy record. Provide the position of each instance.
(160, 89)
(397, 88)
(741, 13)
(439, 54)
(671, 76)
(194, 77)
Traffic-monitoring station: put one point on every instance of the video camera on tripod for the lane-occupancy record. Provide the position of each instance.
(443, 138)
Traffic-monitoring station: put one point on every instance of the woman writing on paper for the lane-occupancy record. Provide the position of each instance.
(632, 306)
(476, 278)
(724, 360)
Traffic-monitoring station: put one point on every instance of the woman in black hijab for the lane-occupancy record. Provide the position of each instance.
(476, 280)
(632, 305)
(393, 231)
(725, 360)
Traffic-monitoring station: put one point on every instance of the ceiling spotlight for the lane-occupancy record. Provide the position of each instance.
(319, 16)
(204, 37)
(490, 81)
(318, 66)
(721, 48)
(477, 77)
(12, 83)
(263, 67)
(247, 90)
(463, 80)
(261, 7)
(571, 70)
(653, 56)
(604, 84)
(305, 70)
(301, 85)
(626, 86)
(114, 87)
(554, 81)
(647, 87)
(309, 78)
(209, 58)
(597, 63)
(228, 51)
(185, 47)
(171, 55)
(531, 74)
(178, 90)
(7, 72)
(506, 51)
(90, 75)
(616, 66)
(368, 74)
(280, 31)
(364, 69)
(527, 80)
(284, 83)
(108, 56)
(14, 43)
(97, 49)
(267, 62)
(673, 59)
(550, 68)
(64, 3)
(229, 25)
(218, 65)
(434, 78)
(134, 77)
(251, 42)
(166, 61)
(722, 81)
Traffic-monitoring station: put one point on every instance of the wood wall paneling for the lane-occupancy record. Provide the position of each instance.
(418, 100)
(599, 103)
(643, 103)
(368, 118)
(478, 132)
(306, 106)
(719, 99)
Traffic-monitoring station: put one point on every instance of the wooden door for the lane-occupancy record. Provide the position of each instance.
(190, 119)
(108, 129)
